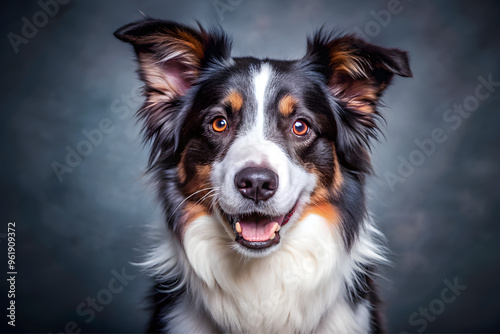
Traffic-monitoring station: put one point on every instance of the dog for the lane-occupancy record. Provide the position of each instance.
(260, 166)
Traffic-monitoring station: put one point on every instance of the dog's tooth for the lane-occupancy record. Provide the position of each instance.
(275, 227)
(272, 236)
(278, 228)
(237, 226)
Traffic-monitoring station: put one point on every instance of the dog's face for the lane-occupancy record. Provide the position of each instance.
(265, 157)
(259, 143)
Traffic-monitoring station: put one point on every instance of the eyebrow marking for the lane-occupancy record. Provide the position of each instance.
(287, 105)
(235, 100)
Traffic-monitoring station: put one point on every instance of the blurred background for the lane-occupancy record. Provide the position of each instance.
(69, 86)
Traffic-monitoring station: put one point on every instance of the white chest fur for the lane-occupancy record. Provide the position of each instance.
(299, 288)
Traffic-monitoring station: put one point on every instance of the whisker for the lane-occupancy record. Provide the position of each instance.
(187, 198)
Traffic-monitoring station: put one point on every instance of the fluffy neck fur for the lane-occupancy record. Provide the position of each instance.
(302, 287)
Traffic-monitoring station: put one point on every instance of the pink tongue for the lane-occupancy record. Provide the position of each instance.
(258, 228)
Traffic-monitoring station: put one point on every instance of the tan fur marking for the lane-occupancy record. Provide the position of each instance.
(199, 203)
(365, 100)
(200, 180)
(323, 209)
(193, 211)
(181, 43)
(235, 100)
(351, 82)
(191, 42)
(287, 105)
(319, 202)
(338, 178)
(181, 169)
(319, 195)
(185, 47)
(190, 213)
(363, 107)
(344, 60)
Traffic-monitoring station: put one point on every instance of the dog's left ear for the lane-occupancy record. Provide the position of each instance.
(356, 74)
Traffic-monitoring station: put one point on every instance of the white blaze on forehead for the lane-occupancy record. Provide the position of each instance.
(261, 80)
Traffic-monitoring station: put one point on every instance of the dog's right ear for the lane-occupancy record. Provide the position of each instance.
(171, 57)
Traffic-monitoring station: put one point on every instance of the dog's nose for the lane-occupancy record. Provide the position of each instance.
(256, 183)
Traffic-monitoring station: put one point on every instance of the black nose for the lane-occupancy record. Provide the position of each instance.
(256, 183)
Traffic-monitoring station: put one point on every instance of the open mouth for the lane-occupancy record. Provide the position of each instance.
(258, 231)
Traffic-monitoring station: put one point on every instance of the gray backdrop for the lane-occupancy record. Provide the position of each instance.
(66, 78)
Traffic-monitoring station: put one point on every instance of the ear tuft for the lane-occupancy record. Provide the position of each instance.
(356, 73)
(170, 55)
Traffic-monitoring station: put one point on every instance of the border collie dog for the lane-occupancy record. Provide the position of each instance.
(260, 166)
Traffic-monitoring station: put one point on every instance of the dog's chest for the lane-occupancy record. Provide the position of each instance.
(296, 289)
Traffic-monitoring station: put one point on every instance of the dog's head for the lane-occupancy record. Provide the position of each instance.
(259, 143)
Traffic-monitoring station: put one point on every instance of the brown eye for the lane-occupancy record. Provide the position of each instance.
(219, 124)
(300, 128)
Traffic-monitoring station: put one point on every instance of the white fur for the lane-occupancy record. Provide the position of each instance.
(261, 80)
(188, 317)
(252, 148)
(298, 288)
